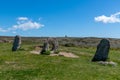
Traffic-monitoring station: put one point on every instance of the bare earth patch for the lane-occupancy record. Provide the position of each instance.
(65, 54)
(35, 52)
(107, 63)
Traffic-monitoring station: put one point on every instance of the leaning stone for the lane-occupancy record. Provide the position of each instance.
(45, 47)
(102, 51)
(55, 45)
(16, 43)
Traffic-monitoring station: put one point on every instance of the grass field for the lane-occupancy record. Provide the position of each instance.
(21, 65)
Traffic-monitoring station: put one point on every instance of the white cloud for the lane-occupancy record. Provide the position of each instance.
(23, 24)
(14, 32)
(40, 18)
(3, 30)
(114, 18)
(27, 25)
(22, 18)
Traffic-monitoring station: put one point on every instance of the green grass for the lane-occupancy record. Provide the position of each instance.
(21, 65)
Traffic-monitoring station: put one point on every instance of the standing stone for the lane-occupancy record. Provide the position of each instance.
(55, 45)
(16, 43)
(102, 51)
(45, 47)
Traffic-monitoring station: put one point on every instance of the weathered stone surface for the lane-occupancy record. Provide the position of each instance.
(16, 43)
(50, 45)
(102, 51)
(45, 47)
(55, 45)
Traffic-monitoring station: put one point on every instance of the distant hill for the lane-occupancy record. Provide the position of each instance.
(68, 41)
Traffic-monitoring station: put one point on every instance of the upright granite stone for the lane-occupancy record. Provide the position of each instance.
(16, 43)
(45, 47)
(55, 45)
(102, 51)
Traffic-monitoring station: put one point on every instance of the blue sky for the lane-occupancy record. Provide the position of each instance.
(74, 18)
